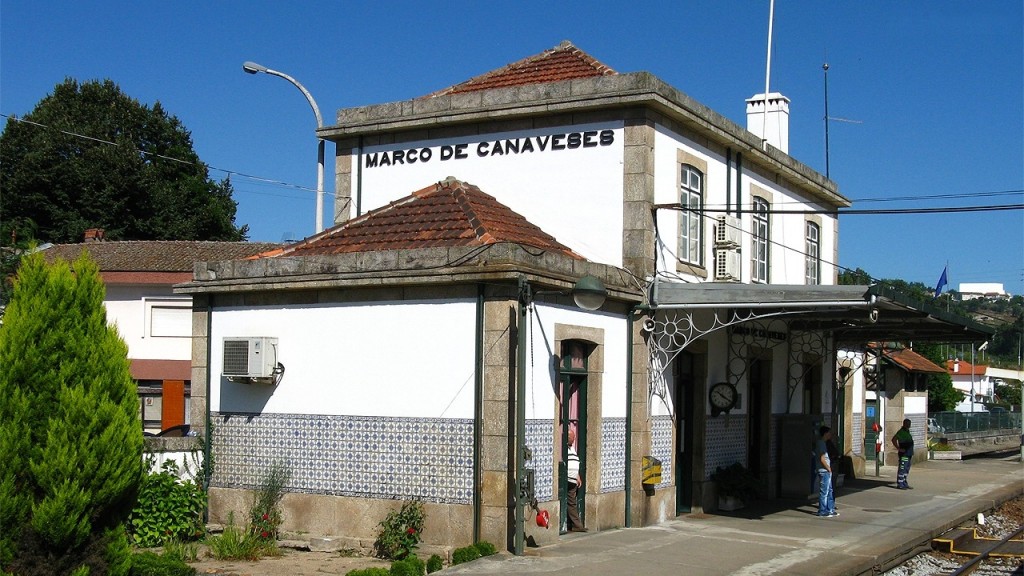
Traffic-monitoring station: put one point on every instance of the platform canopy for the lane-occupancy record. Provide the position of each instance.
(854, 314)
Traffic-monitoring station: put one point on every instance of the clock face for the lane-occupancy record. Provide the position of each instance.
(722, 395)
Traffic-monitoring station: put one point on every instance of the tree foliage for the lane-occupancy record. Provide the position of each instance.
(942, 396)
(89, 156)
(69, 427)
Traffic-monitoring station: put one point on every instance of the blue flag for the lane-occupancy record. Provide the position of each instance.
(942, 282)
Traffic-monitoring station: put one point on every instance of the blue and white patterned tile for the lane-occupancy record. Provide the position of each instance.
(540, 440)
(403, 453)
(613, 454)
(661, 446)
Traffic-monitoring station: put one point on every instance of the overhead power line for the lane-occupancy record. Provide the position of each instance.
(852, 212)
(169, 158)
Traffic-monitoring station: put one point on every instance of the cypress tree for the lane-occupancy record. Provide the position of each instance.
(69, 426)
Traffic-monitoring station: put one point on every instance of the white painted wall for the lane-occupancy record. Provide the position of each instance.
(787, 231)
(541, 378)
(409, 358)
(573, 194)
(129, 308)
(915, 405)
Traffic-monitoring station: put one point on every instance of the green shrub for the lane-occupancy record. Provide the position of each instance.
(167, 509)
(400, 532)
(70, 434)
(184, 551)
(434, 563)
(410, 566)
(235, 543)
(485, 548)
(464, 554)
(375, 571)
(149, 564)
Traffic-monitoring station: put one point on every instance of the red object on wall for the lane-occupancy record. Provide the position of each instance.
(542, 518)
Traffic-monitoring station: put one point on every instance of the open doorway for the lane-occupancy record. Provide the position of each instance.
(572, 415)
(685, 394)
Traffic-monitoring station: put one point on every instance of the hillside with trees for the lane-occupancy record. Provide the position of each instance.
(1006, 316)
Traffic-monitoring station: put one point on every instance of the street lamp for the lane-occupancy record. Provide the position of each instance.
(254, 68)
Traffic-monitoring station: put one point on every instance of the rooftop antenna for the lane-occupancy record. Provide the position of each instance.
(767, 76)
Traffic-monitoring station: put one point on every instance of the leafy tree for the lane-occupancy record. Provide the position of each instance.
(89, 156)
(69, 427)
(942, 396)
(1008, 394)
(854, 277)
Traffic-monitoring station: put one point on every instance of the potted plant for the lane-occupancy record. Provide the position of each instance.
(736, 486)
(941, 451)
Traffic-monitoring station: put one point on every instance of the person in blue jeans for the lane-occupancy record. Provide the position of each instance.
(904, 443)
(826, 493)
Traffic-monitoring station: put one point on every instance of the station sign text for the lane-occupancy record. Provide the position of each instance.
(488, 148)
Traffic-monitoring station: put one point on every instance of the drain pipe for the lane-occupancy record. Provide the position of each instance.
(478, 408)
(520, 434)
(739, 183)
(629, 413)
(728, 181)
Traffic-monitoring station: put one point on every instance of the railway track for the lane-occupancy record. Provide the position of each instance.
(992, 547)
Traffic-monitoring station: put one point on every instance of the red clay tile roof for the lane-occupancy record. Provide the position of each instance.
(447, 214)
(964, 368)
(563, 62)
(912, 361)
(156, 255)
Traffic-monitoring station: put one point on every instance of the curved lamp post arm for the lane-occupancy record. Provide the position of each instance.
(254, 68)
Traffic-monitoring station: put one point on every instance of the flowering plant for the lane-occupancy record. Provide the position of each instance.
(265, 511)
(264, 527)
(401, 531)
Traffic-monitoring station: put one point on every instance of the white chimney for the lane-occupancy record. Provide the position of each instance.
(773, 126)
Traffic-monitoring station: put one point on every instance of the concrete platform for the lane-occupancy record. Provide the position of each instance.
(879, 526)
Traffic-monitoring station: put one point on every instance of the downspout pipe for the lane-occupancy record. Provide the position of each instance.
(739, 183)
(359, 180)
(728, 181)
(630, 316)
(478, 409)
(520, 435)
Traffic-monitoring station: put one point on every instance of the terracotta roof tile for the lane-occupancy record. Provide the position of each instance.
(912, 361)
(450, 213)
(156, 255)
(563, 62)
(962, 367)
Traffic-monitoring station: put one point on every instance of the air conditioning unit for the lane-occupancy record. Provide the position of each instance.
(250, 357)
(728, 231)
(728, 264)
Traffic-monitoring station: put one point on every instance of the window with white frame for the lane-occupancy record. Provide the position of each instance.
(812, 244)
(168, 317)
(761, 232)
(691, 216)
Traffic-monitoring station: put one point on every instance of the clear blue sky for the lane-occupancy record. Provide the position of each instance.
(936, 88)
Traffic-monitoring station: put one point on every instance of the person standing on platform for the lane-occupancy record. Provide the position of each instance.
(904, 443)
(826, 493)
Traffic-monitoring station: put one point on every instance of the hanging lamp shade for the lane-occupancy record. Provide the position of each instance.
(589, 293)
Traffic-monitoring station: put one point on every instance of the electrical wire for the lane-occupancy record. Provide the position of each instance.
(232, 173)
